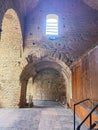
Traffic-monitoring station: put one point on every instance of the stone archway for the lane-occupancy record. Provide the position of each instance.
(32, 69)
(48, 84)
(10, 52)
(62, 68)
(28, 72)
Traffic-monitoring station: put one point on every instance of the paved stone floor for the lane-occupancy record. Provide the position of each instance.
(45, 116)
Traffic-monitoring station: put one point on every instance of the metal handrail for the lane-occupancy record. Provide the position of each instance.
(75, 109)
(89, 115)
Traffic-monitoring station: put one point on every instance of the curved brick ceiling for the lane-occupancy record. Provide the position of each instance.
(92, 3)
(80, 28)
(25, 5)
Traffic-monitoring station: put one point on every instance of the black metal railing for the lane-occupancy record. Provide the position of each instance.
(75, 110)
(89, 115)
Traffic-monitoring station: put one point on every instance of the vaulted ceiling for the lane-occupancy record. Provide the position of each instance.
(26, 5)
(81, 29)
(92, 3)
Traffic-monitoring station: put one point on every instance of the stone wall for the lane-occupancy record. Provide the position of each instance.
(47, 85)
(77, 27)
(16, 66)
(10, 57)
(33, 79)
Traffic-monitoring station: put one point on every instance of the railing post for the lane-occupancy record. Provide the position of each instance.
(78, 128)
(90, 120)
(74, 117)
(75, 110)
(89, 115)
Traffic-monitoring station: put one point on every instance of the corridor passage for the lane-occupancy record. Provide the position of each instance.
(44, 116)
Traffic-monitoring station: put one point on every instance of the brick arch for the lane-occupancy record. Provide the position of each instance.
(62, 68)
(31, 70)
(10, 54)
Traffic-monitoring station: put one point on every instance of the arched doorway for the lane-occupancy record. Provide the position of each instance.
(48, 84)
(43, 68)
(10, 49)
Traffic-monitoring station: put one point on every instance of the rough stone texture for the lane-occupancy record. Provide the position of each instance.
(78, 27)
(47, 85)
(4, 6)
(78, 32)
(10, 49)
(33, 68)
(48, 116)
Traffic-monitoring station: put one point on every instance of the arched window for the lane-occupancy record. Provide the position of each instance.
(51, 24)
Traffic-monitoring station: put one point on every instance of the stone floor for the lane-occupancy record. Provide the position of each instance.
(44, 116)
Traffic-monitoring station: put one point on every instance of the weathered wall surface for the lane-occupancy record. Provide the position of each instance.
(85, 83)
(47, 85)
(84, 77)
(4, 6)
(10, 57)
(74, 34)
(77, 27)
(35, 71)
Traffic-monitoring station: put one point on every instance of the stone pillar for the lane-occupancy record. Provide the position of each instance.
(23, 94)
